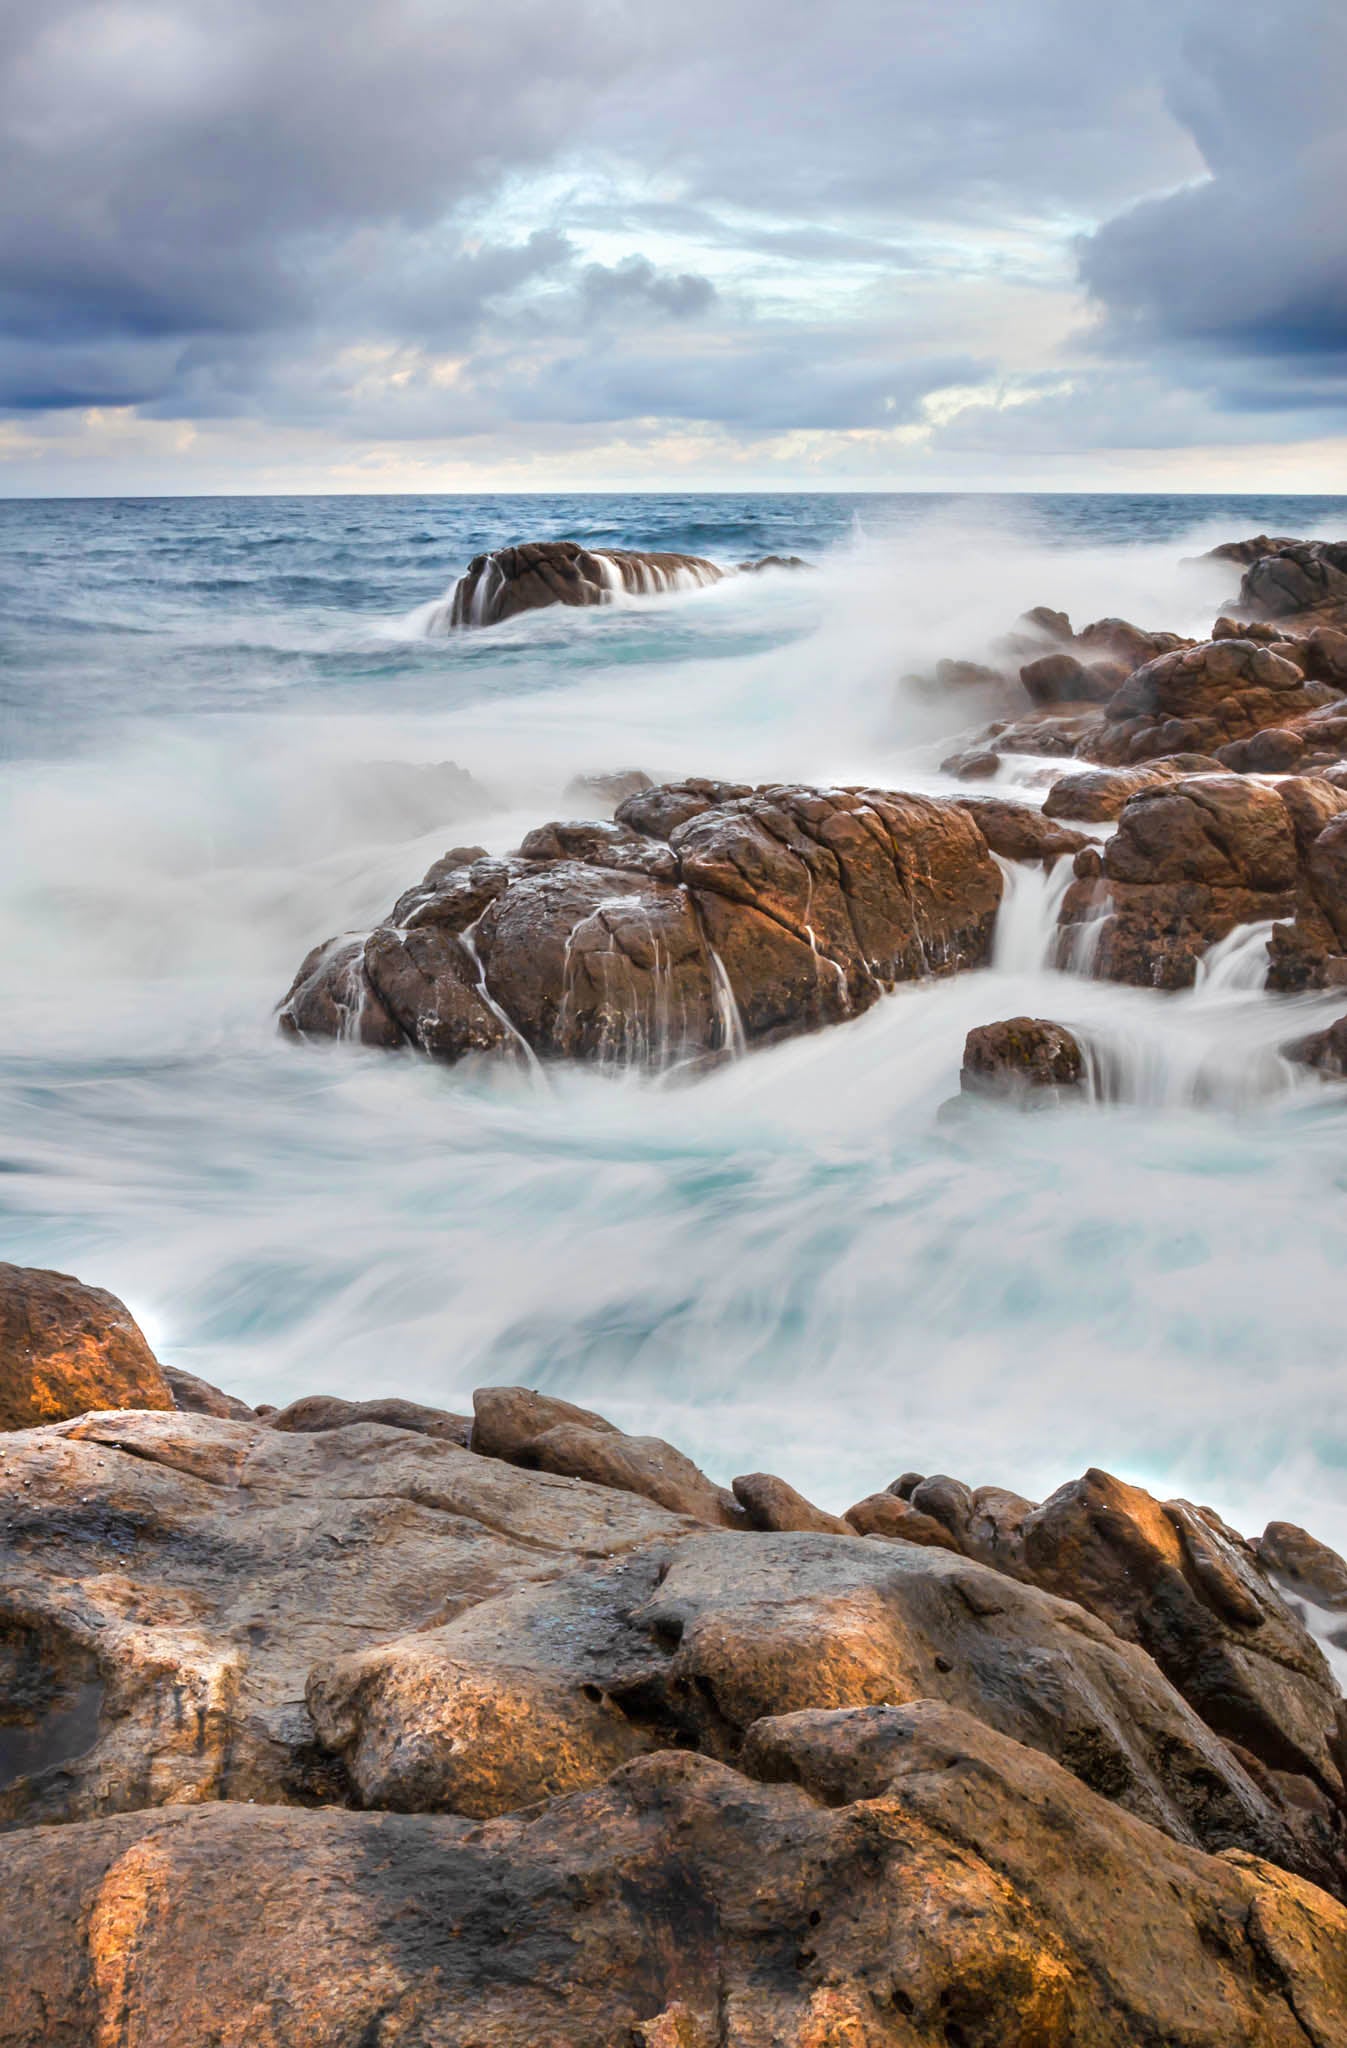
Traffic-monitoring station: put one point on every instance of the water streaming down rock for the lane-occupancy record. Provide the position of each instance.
(536, 574)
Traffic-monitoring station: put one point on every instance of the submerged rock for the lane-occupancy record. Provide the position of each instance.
(705, 917)
(66, 1348)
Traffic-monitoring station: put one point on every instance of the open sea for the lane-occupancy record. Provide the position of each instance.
(796, 1263)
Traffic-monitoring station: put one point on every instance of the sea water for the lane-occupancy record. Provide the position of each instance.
(801, 1262)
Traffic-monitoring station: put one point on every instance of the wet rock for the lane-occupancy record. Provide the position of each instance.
(704, 918)
(1326, 1050)
(607, 791)
(773, 562)
(770, 1503)
(1296, 576)
(1118, 640)
(1311, 951)
(1062, 679)
(511, 580)
(1299, 1561)
(1197, 699)
(1019, 832)
(317, 1412)
(916, 1881)
(199, 1397)
(172, 1579)
(66, 1348)
(1274, 751)
(1180, 1584)
(975, 764)
(1245, 551)
(1190, 860)
(1020, 1056)
(1097, 795)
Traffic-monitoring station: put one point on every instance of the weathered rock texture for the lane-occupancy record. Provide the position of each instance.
(704, 917)
(1020, 1056)
(525, 578)
(65, 1348)
(1191, 859)
(953, 1768)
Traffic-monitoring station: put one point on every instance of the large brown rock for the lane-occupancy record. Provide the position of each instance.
(1097, 795)
(703, 919)
(1295, 576)
(1197, 699)
(898, 1877)
(168, 1582)
(1191, 860)
(547, 1435)
(1200, 1600)
(66, 1348)
(313, 1413)
(548, 1687)
(535, 574)
(1019, 832)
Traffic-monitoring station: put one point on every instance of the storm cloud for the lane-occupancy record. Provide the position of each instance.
(920, 229)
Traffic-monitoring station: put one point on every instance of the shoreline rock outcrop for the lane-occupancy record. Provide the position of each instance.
(316, 1725)
(707, 916)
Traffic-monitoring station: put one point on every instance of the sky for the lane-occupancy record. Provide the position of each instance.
(425, 245)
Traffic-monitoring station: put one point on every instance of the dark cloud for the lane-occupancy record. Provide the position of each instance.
(1250, 263)
(409, 218)
(610, 290)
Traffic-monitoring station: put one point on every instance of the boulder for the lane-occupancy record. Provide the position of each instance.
(888, 1515)
(705, 918)
(1325, 1050)
(770, 1503)
(1189, 861)
(1019, 832)
(546, 1435)
(168, 1581)
(66, 1348)
(1021, 1056)
(1295, 576)
(317, 1412)
(1097, 795)
(607, 790)
(534, 574)
(1063, 679)
(893, 1877)
(1298, 1561)
(1199, 698)
(199, 1397)
(687, 1645)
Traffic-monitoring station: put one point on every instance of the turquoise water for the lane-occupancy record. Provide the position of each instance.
(797, 1263)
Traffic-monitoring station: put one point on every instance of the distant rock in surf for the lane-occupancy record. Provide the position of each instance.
(534, 574)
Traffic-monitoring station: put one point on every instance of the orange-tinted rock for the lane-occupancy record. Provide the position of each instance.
(1197, 699)
(1097, 795)
(770, 1503)
(894, 1878)
(547, 1435)
(66, 1349)
(1019, 832)
(887, 1514)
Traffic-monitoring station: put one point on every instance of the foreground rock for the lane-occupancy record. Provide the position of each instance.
(899, 1876)
(955, 1766)
(66, 1348)
(704, 917)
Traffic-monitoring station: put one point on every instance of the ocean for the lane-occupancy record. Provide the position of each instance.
(801, 1262)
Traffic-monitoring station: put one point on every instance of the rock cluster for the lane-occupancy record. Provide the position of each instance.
(531, 575)
(705, 916)
(356, 1730)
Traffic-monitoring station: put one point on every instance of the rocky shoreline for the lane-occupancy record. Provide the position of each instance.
(702, 918)
(350, 1723)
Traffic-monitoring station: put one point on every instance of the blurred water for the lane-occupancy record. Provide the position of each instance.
(798, 1263)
